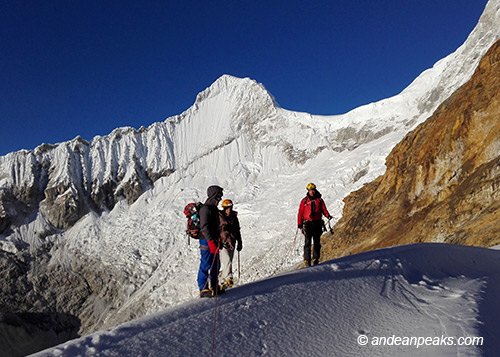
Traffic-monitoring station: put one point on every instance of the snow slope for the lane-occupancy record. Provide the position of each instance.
(435, 291)
(235, 135)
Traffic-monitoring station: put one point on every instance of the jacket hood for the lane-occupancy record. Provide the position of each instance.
(214, 194)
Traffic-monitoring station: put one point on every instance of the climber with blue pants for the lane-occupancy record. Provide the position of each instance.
(209, 244)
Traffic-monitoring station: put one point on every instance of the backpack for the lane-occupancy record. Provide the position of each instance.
(193, 224)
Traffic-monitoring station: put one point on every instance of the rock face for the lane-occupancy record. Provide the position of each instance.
(29, 318)
(46, 301)
(442, 182)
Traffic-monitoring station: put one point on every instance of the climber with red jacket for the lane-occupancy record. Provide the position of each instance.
(310, 221)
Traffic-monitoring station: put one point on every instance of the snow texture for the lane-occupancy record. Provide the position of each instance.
(440, 292)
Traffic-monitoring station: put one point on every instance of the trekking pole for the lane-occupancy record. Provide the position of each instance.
(295, 239)
(189, 238)
(239, 267)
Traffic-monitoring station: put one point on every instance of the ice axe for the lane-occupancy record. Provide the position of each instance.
(329, 226)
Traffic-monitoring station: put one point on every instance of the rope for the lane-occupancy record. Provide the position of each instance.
(216, 303)
(215, 321)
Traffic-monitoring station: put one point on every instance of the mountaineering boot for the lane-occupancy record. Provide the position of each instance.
(315, 262)
(307, 263)
(206, 293)
(227, 284)
(219, 291)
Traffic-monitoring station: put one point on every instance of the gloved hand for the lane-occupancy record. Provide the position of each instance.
(239, 246)
(299, 226)
(213, 247)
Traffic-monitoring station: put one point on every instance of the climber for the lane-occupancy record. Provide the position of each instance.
(310, 222)
(230, 238)
(209, 244)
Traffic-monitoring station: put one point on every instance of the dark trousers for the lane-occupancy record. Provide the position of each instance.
(312, 233)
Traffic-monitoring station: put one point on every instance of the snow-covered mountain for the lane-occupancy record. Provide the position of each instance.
(96, 228)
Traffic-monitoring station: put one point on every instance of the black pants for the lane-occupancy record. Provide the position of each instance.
(312, 233)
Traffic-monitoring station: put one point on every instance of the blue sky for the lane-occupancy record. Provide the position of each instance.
(86, 67)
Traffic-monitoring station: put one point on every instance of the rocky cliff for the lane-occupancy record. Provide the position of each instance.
(442, 182)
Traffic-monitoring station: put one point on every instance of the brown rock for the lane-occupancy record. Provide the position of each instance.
(442, 182)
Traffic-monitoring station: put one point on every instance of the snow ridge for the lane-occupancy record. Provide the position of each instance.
(421, 291)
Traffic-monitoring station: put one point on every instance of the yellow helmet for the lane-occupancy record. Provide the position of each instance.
(227, 203)
(311, 186)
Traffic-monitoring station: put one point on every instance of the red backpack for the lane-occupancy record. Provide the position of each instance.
(193, 224)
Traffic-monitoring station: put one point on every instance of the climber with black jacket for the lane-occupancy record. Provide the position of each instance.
(209, 244)
(310, 221)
